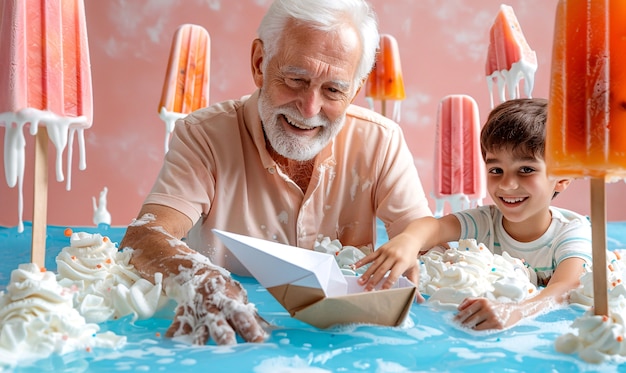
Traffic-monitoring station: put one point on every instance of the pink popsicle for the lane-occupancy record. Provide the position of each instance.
(509, 57)
(459, 168)
(45, 82)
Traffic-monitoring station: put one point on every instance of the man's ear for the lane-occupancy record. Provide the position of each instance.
(256, 60)
(358, 89)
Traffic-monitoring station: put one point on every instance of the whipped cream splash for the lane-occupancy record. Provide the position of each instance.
(100, 213)
(107, 286)
(169, 118)
(472, 270)
(38, 318)
(507, 81)
(599, 336)
(61, 130)
(345, 256)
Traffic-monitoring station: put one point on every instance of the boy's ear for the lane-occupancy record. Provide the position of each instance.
(561, 185)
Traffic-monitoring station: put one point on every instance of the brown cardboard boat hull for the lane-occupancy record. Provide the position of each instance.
(380, 307)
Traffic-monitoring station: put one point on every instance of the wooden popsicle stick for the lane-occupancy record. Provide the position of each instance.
(383, 108)
(598, 246)
(40, 199)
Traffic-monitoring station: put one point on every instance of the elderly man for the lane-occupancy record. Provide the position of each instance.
(293, 161)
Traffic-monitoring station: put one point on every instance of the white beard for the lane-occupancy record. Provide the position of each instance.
(289, 145)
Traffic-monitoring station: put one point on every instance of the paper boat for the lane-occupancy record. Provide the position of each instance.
(311, 287)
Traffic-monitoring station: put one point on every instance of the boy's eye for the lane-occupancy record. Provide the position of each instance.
(526, 170)
(495, 170)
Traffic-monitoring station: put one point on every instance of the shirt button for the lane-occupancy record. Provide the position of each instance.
(272, 170)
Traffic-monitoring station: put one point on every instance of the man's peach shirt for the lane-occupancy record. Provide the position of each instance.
(219, 173)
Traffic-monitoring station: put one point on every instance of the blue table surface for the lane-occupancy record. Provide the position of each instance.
(429, 342)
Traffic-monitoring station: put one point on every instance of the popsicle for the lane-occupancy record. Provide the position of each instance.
(386, 82)
(586, 126)
(186, 86)
(459, 168)
(509, 57)
(45, 81)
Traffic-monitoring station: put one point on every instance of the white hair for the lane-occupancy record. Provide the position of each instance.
(325, 15)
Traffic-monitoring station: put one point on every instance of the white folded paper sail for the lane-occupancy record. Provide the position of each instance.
(274, 264)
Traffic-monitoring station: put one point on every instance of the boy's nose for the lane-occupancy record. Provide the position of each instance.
(508, 182)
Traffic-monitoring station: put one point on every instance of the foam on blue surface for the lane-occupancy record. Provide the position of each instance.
(430, 342)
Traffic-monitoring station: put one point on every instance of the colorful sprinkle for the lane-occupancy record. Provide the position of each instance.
(73, 257)
(611, 268)
(98, 266)
(42, 269)
(108, 261)
(617, 255)
(157, 334)
(605, 318)
(88, 349)
(493, 269)
(67, 232)
(105, 239)
(620, 338)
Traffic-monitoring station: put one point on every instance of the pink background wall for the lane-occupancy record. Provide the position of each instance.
(442, 43)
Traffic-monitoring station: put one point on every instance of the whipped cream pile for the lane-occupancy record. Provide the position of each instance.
(38, 318)
(44, 313)
(599, 336)
(107, 286)
(472, 270)
(345, 256)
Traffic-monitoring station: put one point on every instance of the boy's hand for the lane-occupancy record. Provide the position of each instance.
(398, 256)
(484, 314)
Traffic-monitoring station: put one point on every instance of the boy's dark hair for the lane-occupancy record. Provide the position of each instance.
(518, 125)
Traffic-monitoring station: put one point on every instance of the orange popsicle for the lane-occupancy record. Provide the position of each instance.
(509, 57)
(45, 81)
(586, 126)
(385, 81)
(459, 168)
(186, 86)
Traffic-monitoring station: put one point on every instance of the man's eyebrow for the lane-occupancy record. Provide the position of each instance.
(295, 70)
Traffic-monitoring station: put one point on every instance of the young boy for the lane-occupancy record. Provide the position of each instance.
(555, 242)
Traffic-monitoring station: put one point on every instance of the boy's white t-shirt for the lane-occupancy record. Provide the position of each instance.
(569, 236)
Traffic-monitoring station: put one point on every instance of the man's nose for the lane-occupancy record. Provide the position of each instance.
(309, 103)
